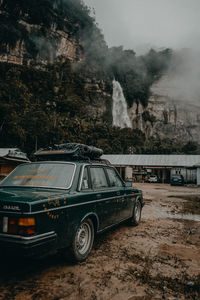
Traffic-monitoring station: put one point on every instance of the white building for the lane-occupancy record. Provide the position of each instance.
(138, 167)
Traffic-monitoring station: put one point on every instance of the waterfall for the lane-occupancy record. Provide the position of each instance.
(119, 111)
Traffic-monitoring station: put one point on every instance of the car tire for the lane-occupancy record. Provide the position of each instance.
(82, 241)
(137, 210)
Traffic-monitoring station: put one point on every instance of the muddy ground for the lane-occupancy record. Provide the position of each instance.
(159, 259)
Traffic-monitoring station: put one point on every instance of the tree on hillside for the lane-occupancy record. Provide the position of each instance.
(14, 102)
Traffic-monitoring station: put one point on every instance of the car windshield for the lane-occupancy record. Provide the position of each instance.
(51, 175)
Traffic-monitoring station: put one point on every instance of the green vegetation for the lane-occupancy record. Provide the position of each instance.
(170, 146)
(135, 73)
(38, 108)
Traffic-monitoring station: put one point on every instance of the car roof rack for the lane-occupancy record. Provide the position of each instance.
(69, 152)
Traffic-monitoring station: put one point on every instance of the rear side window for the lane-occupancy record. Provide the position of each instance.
(98, 178)
(114, 178)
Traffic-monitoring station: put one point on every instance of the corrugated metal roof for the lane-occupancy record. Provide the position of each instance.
(5, 151)
(153, 160)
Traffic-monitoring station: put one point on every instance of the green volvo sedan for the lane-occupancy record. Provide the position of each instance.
(61, 201)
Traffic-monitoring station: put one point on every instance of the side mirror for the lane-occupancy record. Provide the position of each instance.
(128, 184)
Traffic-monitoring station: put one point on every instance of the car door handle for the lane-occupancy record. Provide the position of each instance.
(98, 196)
(118, 193)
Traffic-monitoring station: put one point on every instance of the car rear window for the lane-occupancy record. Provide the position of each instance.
(51, 175)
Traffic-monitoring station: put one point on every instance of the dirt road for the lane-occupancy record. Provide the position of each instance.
(159, 259)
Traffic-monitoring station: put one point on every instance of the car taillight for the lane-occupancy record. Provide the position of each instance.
(26, 222)
(26, 226)
(20, 226)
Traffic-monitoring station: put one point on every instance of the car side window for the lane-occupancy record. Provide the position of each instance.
(85, 180)
(98, 177)
(114, 178)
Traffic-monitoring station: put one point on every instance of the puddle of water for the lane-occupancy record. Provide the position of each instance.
(158, 213)
(190, 217)
(190, 207)
(188, 197)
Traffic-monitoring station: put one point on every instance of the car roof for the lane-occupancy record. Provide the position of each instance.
(77, 162)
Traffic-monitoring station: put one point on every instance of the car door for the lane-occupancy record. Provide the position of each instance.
(105, 197)
(123, 202)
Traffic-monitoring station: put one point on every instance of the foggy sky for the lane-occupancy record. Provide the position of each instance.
(142, 24)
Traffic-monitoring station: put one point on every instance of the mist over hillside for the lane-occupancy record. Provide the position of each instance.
(56, 80)
(181, 82)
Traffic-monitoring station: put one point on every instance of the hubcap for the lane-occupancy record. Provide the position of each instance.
(83, 238)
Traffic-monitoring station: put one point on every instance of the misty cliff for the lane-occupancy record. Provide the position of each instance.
(57, 75)
(173, 109)
(166, 117)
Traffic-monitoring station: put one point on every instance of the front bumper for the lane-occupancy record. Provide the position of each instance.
(28, 246)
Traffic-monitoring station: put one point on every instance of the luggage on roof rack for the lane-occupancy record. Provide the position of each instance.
(69, 151)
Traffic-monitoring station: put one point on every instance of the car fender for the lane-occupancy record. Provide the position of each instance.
(95, 219)
(140, 199)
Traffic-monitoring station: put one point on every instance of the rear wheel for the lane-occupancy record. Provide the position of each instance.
(83, 240)
(136, 217)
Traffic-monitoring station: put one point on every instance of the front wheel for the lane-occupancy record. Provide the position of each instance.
(83, 241)
(136, 217)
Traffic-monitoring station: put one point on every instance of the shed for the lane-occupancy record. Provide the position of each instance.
(163, 165)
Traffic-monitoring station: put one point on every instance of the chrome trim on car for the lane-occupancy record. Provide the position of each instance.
(81, 177)
(94, 165)
(74, 205)
(114, 224)
(27, 238)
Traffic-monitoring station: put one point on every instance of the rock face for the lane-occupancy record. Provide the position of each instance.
(99, 97)
(167, 117)
(51, 47)
(15, 56)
